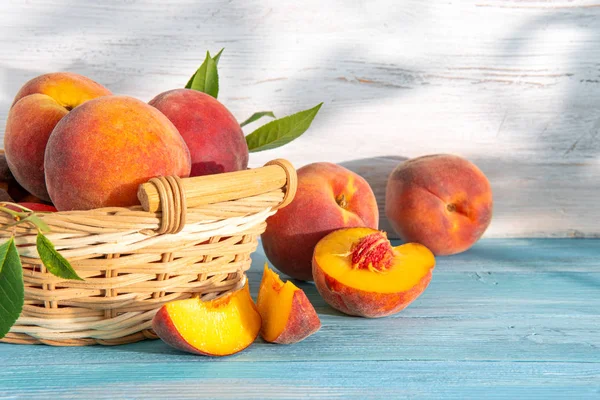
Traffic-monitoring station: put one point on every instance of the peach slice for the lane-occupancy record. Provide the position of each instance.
(287, 314)
(358, 272)
(218, 327)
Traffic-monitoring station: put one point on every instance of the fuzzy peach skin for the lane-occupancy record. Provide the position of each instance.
(37, 108)
(218, 327)
(101, 151)
(369, 289)
(329, 197)
(441, 201)
(213, 135)
(287, 314)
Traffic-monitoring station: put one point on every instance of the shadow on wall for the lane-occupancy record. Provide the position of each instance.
(133, 51)
(535, 195)
(550, 195)
(582, 77)
(376, 171)
(127, 43)
(567, 138)
(135, 58)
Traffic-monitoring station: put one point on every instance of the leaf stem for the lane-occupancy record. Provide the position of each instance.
(25, 216)
(15, 214)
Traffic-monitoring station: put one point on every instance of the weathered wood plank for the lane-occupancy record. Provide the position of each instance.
(505, 300)
(511, 84)
(268, 380)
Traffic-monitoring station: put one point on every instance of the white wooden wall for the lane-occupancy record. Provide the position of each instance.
(512, 85)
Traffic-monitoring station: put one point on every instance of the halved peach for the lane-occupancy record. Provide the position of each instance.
(287, 314)
(358, 272)
(218, 327)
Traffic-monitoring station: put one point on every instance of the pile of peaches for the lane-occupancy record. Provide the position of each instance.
(438, 204)
(70, 144)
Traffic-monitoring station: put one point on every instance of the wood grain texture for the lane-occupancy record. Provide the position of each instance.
(511, 84)
(510, 318)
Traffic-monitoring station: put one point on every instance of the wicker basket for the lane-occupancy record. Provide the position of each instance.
(189, 237)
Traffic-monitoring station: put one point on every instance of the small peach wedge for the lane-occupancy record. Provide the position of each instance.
(358, 272)
(219, 327)
(287, 314)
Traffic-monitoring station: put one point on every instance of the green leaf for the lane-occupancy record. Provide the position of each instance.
(218, 56)
(54, 262)
(256, 116)
(206, 78)
(37, 221)
(23, 216)
(12, 291)
(189, 84)
(281, 131)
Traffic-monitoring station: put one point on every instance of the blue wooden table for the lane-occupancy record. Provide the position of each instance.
(510, 319)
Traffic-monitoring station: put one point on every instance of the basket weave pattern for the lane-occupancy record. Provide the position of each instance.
(131, 265)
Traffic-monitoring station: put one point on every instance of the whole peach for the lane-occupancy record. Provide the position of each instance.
(213, 135)
(37, 108)
(101, 151)
(329, 197)
(441, 201)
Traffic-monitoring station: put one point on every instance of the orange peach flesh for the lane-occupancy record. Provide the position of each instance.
(287, 314)
(369, 289)
(219, 327)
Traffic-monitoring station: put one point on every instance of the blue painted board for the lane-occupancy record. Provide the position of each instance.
(510, 318)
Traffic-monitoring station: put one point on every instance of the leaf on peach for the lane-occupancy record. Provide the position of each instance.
(256, 116)
(281, 131)
(206, 78)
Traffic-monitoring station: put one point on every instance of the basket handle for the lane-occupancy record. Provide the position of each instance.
(199, 190)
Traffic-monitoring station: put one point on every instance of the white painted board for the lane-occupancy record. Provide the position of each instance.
(512, 85)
